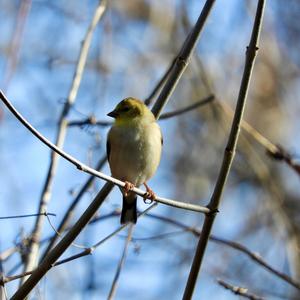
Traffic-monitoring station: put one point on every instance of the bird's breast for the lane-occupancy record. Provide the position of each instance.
(135, 152)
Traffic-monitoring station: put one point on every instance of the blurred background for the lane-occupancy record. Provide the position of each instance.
(132, 47)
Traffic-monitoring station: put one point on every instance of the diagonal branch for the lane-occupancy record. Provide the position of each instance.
(232, 244)
(121, 263)
(70, 211)
(228, 154)
(83, 253)
(240, 291)
(182, 60)
(33, 249)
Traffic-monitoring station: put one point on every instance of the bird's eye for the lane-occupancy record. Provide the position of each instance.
(126, 108)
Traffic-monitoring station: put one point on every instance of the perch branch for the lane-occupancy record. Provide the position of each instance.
(92, 171)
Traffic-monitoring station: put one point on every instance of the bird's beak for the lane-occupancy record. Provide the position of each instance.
(113, 114)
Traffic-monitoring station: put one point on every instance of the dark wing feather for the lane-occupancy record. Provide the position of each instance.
(107, 147)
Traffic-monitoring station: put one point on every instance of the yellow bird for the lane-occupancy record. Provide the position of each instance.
(134, 147)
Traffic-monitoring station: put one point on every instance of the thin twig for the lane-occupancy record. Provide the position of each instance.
(81, 166)
(70, 211)
(83, 253)
(228, 154)
(114, 285)
(16, 42)
(182, 59)
(59, 249)
(3, 293)
(232, 244)
(188, 108)
(156, 236)
(32, 257)
(277, 152)
(239, 290)
(27, 216)
(93, 122)
(8, 252)
(160, 84)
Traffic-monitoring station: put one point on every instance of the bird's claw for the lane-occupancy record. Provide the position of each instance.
(149, 196)
(128, 187)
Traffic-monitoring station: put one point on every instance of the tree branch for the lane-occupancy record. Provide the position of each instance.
(70, 211)
(27, 216)
(81, 166)
(232, 244)
(83, 253)
(94, 122)
(228, 154)
(239, 290)
(33, 249)
(113, 288)
(182, 60)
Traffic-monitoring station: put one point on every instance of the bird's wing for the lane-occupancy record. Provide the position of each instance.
(108, 146)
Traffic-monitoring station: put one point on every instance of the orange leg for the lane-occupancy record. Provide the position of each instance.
(128, 187)
(149, 194)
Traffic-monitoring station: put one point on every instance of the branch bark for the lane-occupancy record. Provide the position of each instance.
(121, 263)
(228, 154)
(33, 249)
(240, 291)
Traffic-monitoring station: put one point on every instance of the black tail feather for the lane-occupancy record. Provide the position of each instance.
(129, 212)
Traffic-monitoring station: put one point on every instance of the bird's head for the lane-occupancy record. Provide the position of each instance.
(130, 110)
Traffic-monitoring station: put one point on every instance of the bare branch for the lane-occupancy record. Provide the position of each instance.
(59, 249)
(92, 171)
(160, 84)
(70, 211)
(3, 293)
(182, 60)
(276, 152)
(239, 290)
(16, 42)
(27, 216)
(32, 257)
(187, 108)
(83, 253)
(92, 120)
(228, 154)
(113, 288)
(234, 245)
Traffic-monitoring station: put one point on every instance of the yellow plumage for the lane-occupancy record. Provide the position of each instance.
(134, 146)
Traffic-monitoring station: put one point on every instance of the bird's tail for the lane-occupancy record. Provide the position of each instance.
(129, 213)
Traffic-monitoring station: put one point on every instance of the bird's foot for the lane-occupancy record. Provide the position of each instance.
(128, 187)
(149, 196)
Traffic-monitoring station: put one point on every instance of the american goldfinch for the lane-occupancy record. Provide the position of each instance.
(134, 147)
